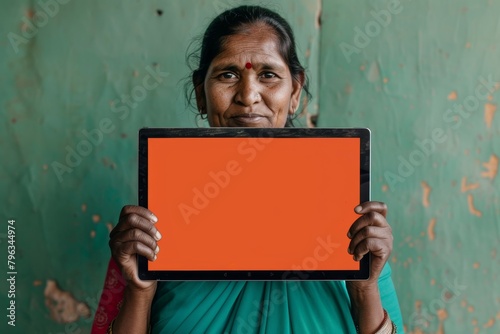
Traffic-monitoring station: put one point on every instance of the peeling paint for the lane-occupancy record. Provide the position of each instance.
(472, 209)
(452, 96)
(426, 193)
(63, 307)
(489, 114)
(491, 168)
(96, 218)
(430, 229)
(466, 187)
(490, 323)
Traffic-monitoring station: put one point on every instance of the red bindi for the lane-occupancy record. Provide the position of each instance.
(248, 65)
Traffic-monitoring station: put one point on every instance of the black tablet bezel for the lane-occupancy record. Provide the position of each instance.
(259, 275)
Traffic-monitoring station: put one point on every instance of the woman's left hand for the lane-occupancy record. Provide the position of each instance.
(371, 233)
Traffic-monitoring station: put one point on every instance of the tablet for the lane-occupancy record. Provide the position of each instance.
(254, 204)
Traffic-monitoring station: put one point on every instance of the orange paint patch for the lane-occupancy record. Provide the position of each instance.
(489, 113)
(498, 315)
(472, 209)
(491, 167)
(426, 193)
(490, 97)
(430, 229)
(418, 305)
(84, 207)
(362, 68)
(386, 80)
(470, 309)
(452, 96)
(474, 322)
(92, 234)
(37, 283)
(30, 13)
(433, 281)
(466, 187)
(385, 188)
(467, 45)
(442, 314)
(476, 265)
(96, 218)
(463, 303)
(63, 307)
(490, 323)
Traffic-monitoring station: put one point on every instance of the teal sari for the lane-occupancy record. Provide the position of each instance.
(243, 307)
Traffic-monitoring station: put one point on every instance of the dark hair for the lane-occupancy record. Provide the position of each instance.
(234, 21)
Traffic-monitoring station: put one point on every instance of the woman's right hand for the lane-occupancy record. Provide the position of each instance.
(135, 234)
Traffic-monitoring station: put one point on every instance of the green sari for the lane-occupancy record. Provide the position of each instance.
(243, 307)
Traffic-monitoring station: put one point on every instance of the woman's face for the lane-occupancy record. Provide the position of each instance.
(237, 94)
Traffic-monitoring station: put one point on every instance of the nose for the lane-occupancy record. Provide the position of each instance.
(247, 92)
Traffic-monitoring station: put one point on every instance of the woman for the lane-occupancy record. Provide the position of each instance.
(249, 75)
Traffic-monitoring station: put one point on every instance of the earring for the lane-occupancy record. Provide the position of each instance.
(203, 114)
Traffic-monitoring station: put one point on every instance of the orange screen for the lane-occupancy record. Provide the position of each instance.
(254, 203)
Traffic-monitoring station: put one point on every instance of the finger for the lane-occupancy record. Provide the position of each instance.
(139, 210)
(132, 248)
(133, 220)
(378, 247)
(368, 232)
(371, 218)
(365, 207)
(135, 235)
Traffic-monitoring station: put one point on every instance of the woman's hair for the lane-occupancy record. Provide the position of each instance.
(232, 22)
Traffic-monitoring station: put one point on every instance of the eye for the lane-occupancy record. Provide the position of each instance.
(268, 75)
(227, 76)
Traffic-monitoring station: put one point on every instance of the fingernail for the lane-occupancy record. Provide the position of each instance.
(349, 235)
(154, 218)
(158, 235)
(349, 251)
(358, 209)
(154, 258)
(157, 249)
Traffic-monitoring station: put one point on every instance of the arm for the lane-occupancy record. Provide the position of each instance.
(369, 234)
(135, 234)
(135, 311)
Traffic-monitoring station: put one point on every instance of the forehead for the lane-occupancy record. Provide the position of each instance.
(254, 44)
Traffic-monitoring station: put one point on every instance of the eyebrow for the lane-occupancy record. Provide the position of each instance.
(235, 68)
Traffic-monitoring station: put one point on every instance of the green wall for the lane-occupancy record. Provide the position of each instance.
(422, 77)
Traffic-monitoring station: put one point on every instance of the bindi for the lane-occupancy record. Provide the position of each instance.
(248, 65)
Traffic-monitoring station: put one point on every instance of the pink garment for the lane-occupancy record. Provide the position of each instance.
(111, 299)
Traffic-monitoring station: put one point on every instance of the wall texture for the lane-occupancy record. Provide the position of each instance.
(79, 78)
